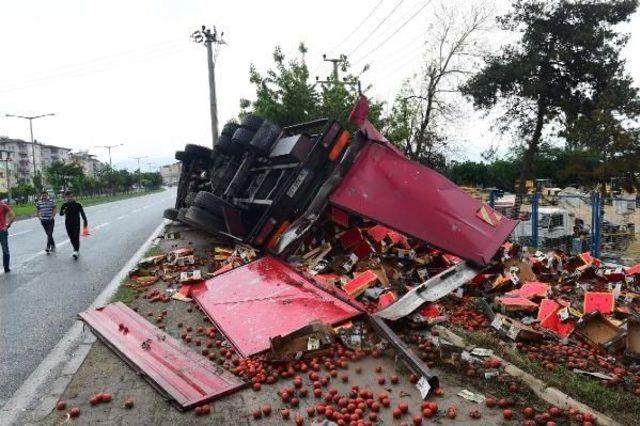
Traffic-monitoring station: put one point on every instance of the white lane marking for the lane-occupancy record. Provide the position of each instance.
(40, 253)
(102, 225)
(20, 233)
(121, 217)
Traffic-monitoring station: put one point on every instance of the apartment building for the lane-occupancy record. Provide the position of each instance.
(170, 173)
(91, 166)
(22, 155)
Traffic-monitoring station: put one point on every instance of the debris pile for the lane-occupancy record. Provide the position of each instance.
(561, 310)
(369, 262)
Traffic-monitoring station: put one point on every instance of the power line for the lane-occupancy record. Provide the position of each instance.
(357, 27)
(399, 52)
(376, 28)
(88, 69)
(395, 32)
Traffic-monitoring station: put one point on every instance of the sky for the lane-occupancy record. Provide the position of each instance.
(127, 71)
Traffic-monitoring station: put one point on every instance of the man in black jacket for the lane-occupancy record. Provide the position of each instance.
(72, 210)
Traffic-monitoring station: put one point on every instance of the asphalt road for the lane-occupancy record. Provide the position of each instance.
(41, 296)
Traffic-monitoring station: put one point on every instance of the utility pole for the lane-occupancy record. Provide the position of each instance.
(336, 63)
(335, 78)
(109, 148)
(33, 144)
(6, 156)
(209, 38)
(139, 171)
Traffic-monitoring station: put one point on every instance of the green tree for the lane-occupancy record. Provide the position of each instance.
(37, 181)
(555, 70)
(23, 191)
(151, 180)
(60, 174)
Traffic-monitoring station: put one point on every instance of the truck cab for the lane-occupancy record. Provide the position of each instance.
(554, 223)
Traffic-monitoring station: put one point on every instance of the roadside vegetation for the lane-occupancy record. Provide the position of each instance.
(621, 406)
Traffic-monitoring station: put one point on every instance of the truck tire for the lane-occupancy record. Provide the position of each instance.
(205, 220)
(198, 151)
(181, 216)
(171, 214)
(251, 122)
(183, 156)
(211, 203)
(264, 138)
(227, 146)
(243, 136)
(188, 200)
(229, 129)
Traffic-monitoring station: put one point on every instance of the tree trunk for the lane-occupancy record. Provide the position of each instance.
(531, 150)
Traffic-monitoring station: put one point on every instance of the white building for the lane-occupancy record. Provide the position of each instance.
(171, 173)
(22, 155)
(91, 166)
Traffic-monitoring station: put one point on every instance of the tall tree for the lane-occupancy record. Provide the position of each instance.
(429, 102)
(547, 78)
(285, 94)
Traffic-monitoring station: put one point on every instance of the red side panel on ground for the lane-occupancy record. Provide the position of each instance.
(386, 187)
(264, 299)
(172, 368)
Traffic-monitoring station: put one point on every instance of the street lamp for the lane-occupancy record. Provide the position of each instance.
(139, 171)
(109, 148)
(6, 156)
(33, 145)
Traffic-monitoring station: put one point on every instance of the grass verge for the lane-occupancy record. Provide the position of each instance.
(125, 293)
(619, 405)
(29, 210)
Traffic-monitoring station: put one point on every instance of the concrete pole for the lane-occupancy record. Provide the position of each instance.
(33, 146)
(212, 92)
(6, 171)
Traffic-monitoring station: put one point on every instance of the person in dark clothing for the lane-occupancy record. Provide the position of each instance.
(72, 210)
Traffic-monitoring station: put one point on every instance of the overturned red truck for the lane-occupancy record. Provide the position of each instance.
(267, 186)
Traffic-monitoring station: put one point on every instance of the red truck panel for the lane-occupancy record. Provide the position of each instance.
(183, 375)
(264, 299)
(401, 194)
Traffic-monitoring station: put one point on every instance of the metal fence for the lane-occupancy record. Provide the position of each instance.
(607, 227)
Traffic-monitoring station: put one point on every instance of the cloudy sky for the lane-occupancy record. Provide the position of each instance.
(127, 72)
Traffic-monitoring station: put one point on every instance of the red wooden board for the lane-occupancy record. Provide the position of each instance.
(530, 290)
(595, 301)
(264, 299)
(183, 375)
(413, 199)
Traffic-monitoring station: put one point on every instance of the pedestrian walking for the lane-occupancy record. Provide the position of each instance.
(72, 210)
(46, 213)
(7, 216)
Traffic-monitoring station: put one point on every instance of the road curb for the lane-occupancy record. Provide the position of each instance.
(549, 394)
(42, 389)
